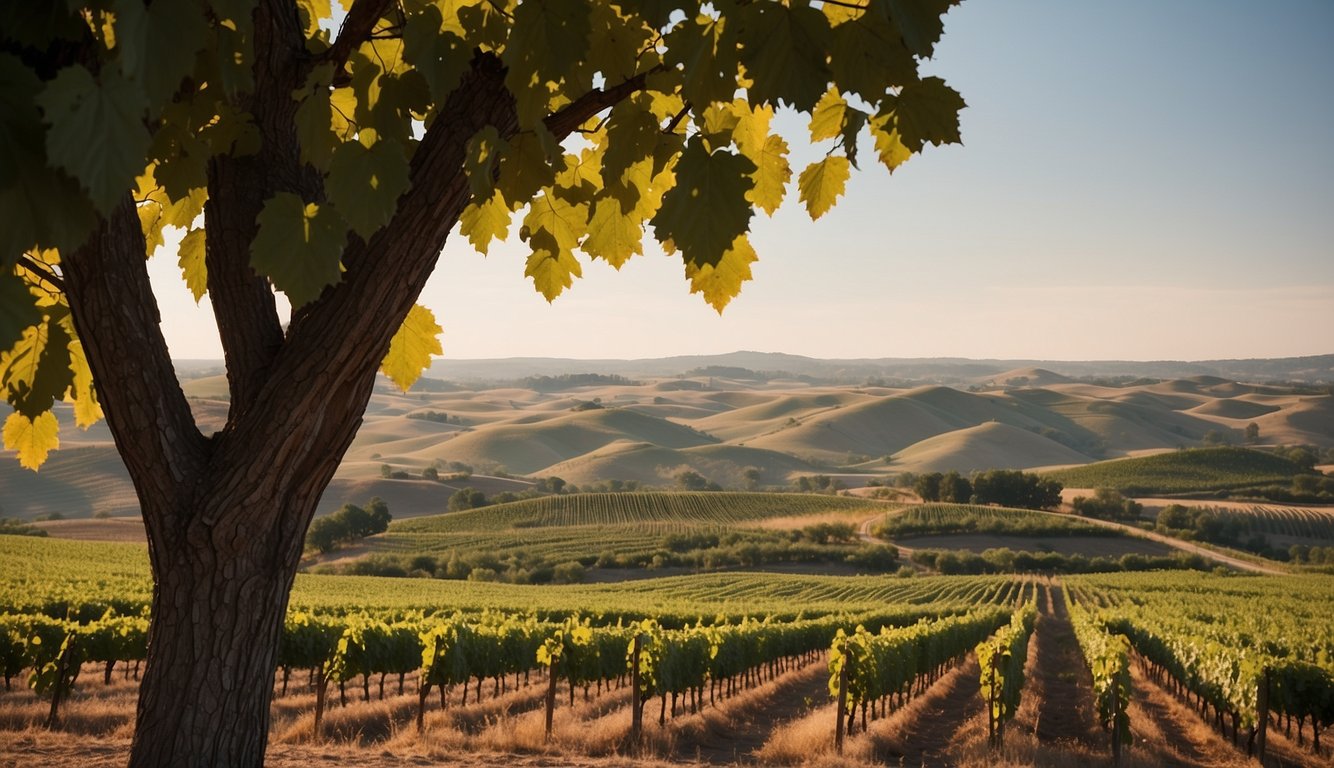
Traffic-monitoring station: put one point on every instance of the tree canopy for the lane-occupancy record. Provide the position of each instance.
(628, 116)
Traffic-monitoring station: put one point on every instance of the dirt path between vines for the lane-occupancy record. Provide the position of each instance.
(1065, 711)
(734, 731)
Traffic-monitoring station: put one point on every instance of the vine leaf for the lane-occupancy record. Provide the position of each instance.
(32, 439)
(298, 247)
(411, 348)
(822, 183)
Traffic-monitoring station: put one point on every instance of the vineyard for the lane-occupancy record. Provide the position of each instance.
(559, 538)
(1189, 471)
(927, 519)
(638, 509)
(824, 663)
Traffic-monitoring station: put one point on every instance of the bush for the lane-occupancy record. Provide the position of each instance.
(1107, 504)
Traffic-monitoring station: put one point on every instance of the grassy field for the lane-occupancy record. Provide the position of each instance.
(1189, 471)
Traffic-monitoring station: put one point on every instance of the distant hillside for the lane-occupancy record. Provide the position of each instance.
(1200, 469)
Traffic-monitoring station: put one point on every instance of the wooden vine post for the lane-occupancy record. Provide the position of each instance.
(1262, 716)
(321, 687)
(842, 701)
(1116, 728)
(551, 693)
(636, 696)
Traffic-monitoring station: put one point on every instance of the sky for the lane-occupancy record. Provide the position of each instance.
(1139, 180)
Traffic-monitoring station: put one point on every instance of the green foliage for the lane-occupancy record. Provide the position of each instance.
(1107, 504)
(349, 523)
(108, 106)
(930, 519)
(1001, 659)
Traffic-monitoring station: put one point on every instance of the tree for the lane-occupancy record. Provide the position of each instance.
(1252, 433)
(331, 167)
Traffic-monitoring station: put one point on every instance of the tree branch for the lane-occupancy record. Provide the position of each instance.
(563, 122)
(42, 272)
(355, 30)
(117, 319)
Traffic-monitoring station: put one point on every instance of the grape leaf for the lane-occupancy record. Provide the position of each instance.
(18, 312)
(822, 182)
(871, 57)
(771, 175)
(87, 411)
(887, 142)
(705, 50)
(552, 269)
(314, 119)
(613, 235)
(441, 56)
(32, 439)
(920, 22)
(158, 43)
(298, 246)
(35, 372)
(480, 161)
(721, 282)
(783, 49)
(364, 184)
(484, 221)
(707, 209)
(97, 131)
(925, 112)
(411, 348)
(542, 50)
(191, 258)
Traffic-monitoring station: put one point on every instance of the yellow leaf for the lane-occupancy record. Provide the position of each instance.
(87, 411)
(828, 115)
(771, 175)
(481, 223)
(191, 259)
(721, 282)
(893, 152)
(552, 269)
(612, 234)
(32, 439)
(822, 183)
(566, 222)
(411, 348)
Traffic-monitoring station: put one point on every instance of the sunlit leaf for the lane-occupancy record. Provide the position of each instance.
(411, 348)
(32, 439)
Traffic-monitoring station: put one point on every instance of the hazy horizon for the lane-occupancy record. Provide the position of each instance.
(1130, 188)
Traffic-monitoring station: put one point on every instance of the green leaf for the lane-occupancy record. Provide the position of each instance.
(707, 209)
(526, 164)
(771, 176)
(482, 222)
(552, 270)
(298, 247)
(705, 50)
(97, 131)
(314, 119)
(191, 258)
(35, 372)
(784, 49)
(925, 112)
(480, 161)
(411, 348)
(920, 22)
(441, 56)
(32, 439)
(158, 43)
(543, 48)
(871, 57)
(822, 183)
(365, 184)
(721, 282)
(18, 309)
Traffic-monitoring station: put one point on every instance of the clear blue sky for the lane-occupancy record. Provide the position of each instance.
(1138, 180)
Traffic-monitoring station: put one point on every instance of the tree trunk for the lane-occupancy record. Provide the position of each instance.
(214, 634)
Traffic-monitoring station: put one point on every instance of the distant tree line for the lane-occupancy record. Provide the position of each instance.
(1004, 560)
(1004, 487)
(1107, 504)
(571, 380)
(347, 525)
